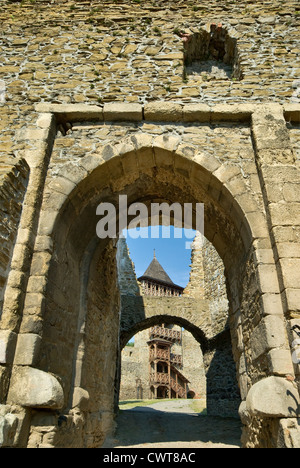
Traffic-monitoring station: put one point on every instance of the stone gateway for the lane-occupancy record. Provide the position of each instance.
(174, 101)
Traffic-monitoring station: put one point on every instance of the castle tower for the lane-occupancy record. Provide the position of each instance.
(165, 378)
(156, 282)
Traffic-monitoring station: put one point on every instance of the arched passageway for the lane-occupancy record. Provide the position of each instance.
(215, 356)
(78, 314)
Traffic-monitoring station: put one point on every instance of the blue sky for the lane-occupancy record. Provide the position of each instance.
(173, 253)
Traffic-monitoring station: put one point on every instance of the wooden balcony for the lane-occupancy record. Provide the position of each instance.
(159, 378)
(176, 359)
(164, 355)
(165, 333)
(162, 379)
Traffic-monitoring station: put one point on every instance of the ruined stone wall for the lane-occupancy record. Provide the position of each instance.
(230, 142)
(215, 288)
(135, 365)
(13, 185)
(193, 366)
(96, 52)
(127, 279)
(207, 281)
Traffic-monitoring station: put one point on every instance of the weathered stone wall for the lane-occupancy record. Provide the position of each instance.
(70, 245)
(13, 183)
(215, 288)
(193, 366)
(241, 160)
(100, 52)
(135, 365)
(127, 279)
(207, 280)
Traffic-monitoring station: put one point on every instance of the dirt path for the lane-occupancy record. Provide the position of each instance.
(173, 424)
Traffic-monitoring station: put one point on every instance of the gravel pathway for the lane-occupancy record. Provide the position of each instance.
(173, 424)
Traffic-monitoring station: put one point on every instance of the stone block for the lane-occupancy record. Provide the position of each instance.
(40, 263)
(44, 121)
(37, 134)
(273, 397)
(47, 221)
(267, 113)
(163, 112)
(268, 279)
(80, 398)
(288, 249)
(209, 163)
(272, 155)
(118, 111)
(290, 269)
(8, 428)
(231, 113)
(167, 142)
(27, 349)
(35, 159)
(227, 172)
(72, 112)
(17, 279)
(292, 112)
(196, 113)
(43, 243)
(285, 214)
(272, 304)
(34, 388)
(8, 341)
(280, 362)
(269, 334)
(258, 224)
(293, 299)
(62, 185)
(291, 192)
(290, 432)
(264, 256)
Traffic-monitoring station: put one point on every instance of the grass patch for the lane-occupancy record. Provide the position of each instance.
(199, 406)
(129, 404)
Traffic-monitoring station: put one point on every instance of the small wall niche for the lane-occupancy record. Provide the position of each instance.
(212, 54)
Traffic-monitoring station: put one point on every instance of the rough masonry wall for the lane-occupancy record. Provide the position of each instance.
(193, 366)
(13, 183)
(242, 161)
(95, 52)
(135, 365)
(127, 279)
(215, 288)
(207, 281)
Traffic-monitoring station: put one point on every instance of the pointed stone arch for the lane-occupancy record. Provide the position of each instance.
(74, 310)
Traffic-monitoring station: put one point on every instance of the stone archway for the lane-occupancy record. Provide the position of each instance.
(216, 354)
(73, 311)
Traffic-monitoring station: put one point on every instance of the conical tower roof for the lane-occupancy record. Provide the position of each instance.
(156, 272)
